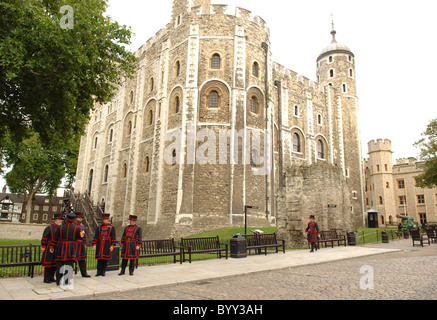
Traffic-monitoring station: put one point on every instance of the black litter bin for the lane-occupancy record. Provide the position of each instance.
(114, 262)
(351, 239)
(238, 246)
(384, 235)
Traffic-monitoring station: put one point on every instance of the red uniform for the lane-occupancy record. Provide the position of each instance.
(104, 238)
(48, 258)
(313, 232)
(81, 247)
(132, 237)
(65, 240)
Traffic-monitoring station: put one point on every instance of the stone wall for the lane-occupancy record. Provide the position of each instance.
(319, 190)
(21, 231)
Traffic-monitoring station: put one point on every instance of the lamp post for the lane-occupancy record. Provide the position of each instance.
(245, 216)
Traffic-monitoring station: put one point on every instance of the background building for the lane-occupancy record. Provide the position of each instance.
(205, 80)
(391, 188)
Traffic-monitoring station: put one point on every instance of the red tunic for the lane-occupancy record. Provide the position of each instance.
(48, 258)
(103, 240)
(132, 237)
(81, 244)
(65, 240)
(313, 232)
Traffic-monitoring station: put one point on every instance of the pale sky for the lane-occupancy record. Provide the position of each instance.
(394, 42)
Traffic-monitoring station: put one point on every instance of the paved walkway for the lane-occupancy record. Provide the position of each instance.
(162, 275)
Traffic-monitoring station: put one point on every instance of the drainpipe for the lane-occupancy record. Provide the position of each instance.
(279, 85)
(265, 46)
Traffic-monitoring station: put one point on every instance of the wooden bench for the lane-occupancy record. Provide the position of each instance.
(159, 248)
(431, 234)
(263, 241)
(21, 256)
(331, 236)
(416, 236)
(203, 245)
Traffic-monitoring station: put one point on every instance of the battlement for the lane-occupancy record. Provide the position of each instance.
(379, 145)
(287, 73)
(406, 161)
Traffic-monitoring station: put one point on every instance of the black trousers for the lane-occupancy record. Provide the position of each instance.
(101, 267)
(49, 274)
(131, 265)
(66, 274)
(82, 267)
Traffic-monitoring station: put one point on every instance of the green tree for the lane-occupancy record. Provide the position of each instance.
(36, 168)
(428, 153)
(56, 61)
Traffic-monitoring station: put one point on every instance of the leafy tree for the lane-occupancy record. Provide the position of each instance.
(428, 153)
(56, 61)
(35, 168)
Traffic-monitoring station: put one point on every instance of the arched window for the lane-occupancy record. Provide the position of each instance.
(215, 62)
(296, 111)
(319, 119)
(344, 88)
(254, 105)
(105, 174)
(111, 135)
(213, 100)
(351, 73)
(95, 143)
(381, 201)
(152, 84)
(330, 59)
(331, 73)
(296, 143)
(255, 69)
(320, 149)
(124, 170)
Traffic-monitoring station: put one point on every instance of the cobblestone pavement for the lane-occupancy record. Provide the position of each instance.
(409, 274)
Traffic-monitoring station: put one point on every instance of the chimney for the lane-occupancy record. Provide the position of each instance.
(4, 189)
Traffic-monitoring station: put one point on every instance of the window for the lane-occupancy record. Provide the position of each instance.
(401, 184)
(253, 105)
(45, 217)
(173, 160)
(381, 201)
(124, 170)
(111, 134)
(152, 84)
(213, 100)
(344, 88)
(423, 219)
(319, 119)
(421, 199)
(331, 73)
(178, 68)
(351, 73)
(320, 149)
(377, 167)
(150, 117)
(255, 69)
(131, 97)
(387, 185)
(147, 164)
(402, 200)
(129, 128)
(105, 174)
(215, 62)
(386, 167)
(95, 143)
(177, 105)
(296, 143)
(296, 111)
(330, 59)
(253, 158)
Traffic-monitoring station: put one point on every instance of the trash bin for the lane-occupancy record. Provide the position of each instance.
(351, 239)
(238, 246)
(114, 262)
(384, 235)
(406, 233)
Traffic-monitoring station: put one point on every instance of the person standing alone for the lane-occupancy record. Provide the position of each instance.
(312, 232)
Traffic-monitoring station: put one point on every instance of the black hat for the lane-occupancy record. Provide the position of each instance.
(312, 217)
(133, 218)
(71, 217)
(57, 216)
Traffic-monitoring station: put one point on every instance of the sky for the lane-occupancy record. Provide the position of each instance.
(394, 43)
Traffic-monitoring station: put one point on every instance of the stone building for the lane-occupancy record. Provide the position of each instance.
(210, 123)
(390, 189)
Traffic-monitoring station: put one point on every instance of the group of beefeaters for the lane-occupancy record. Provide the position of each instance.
(64, 243)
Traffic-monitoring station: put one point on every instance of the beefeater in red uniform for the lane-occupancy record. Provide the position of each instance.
(103, 243)
(130, 242)
(65, 242)
(313, 233)
(81, 250)
(48, 258)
